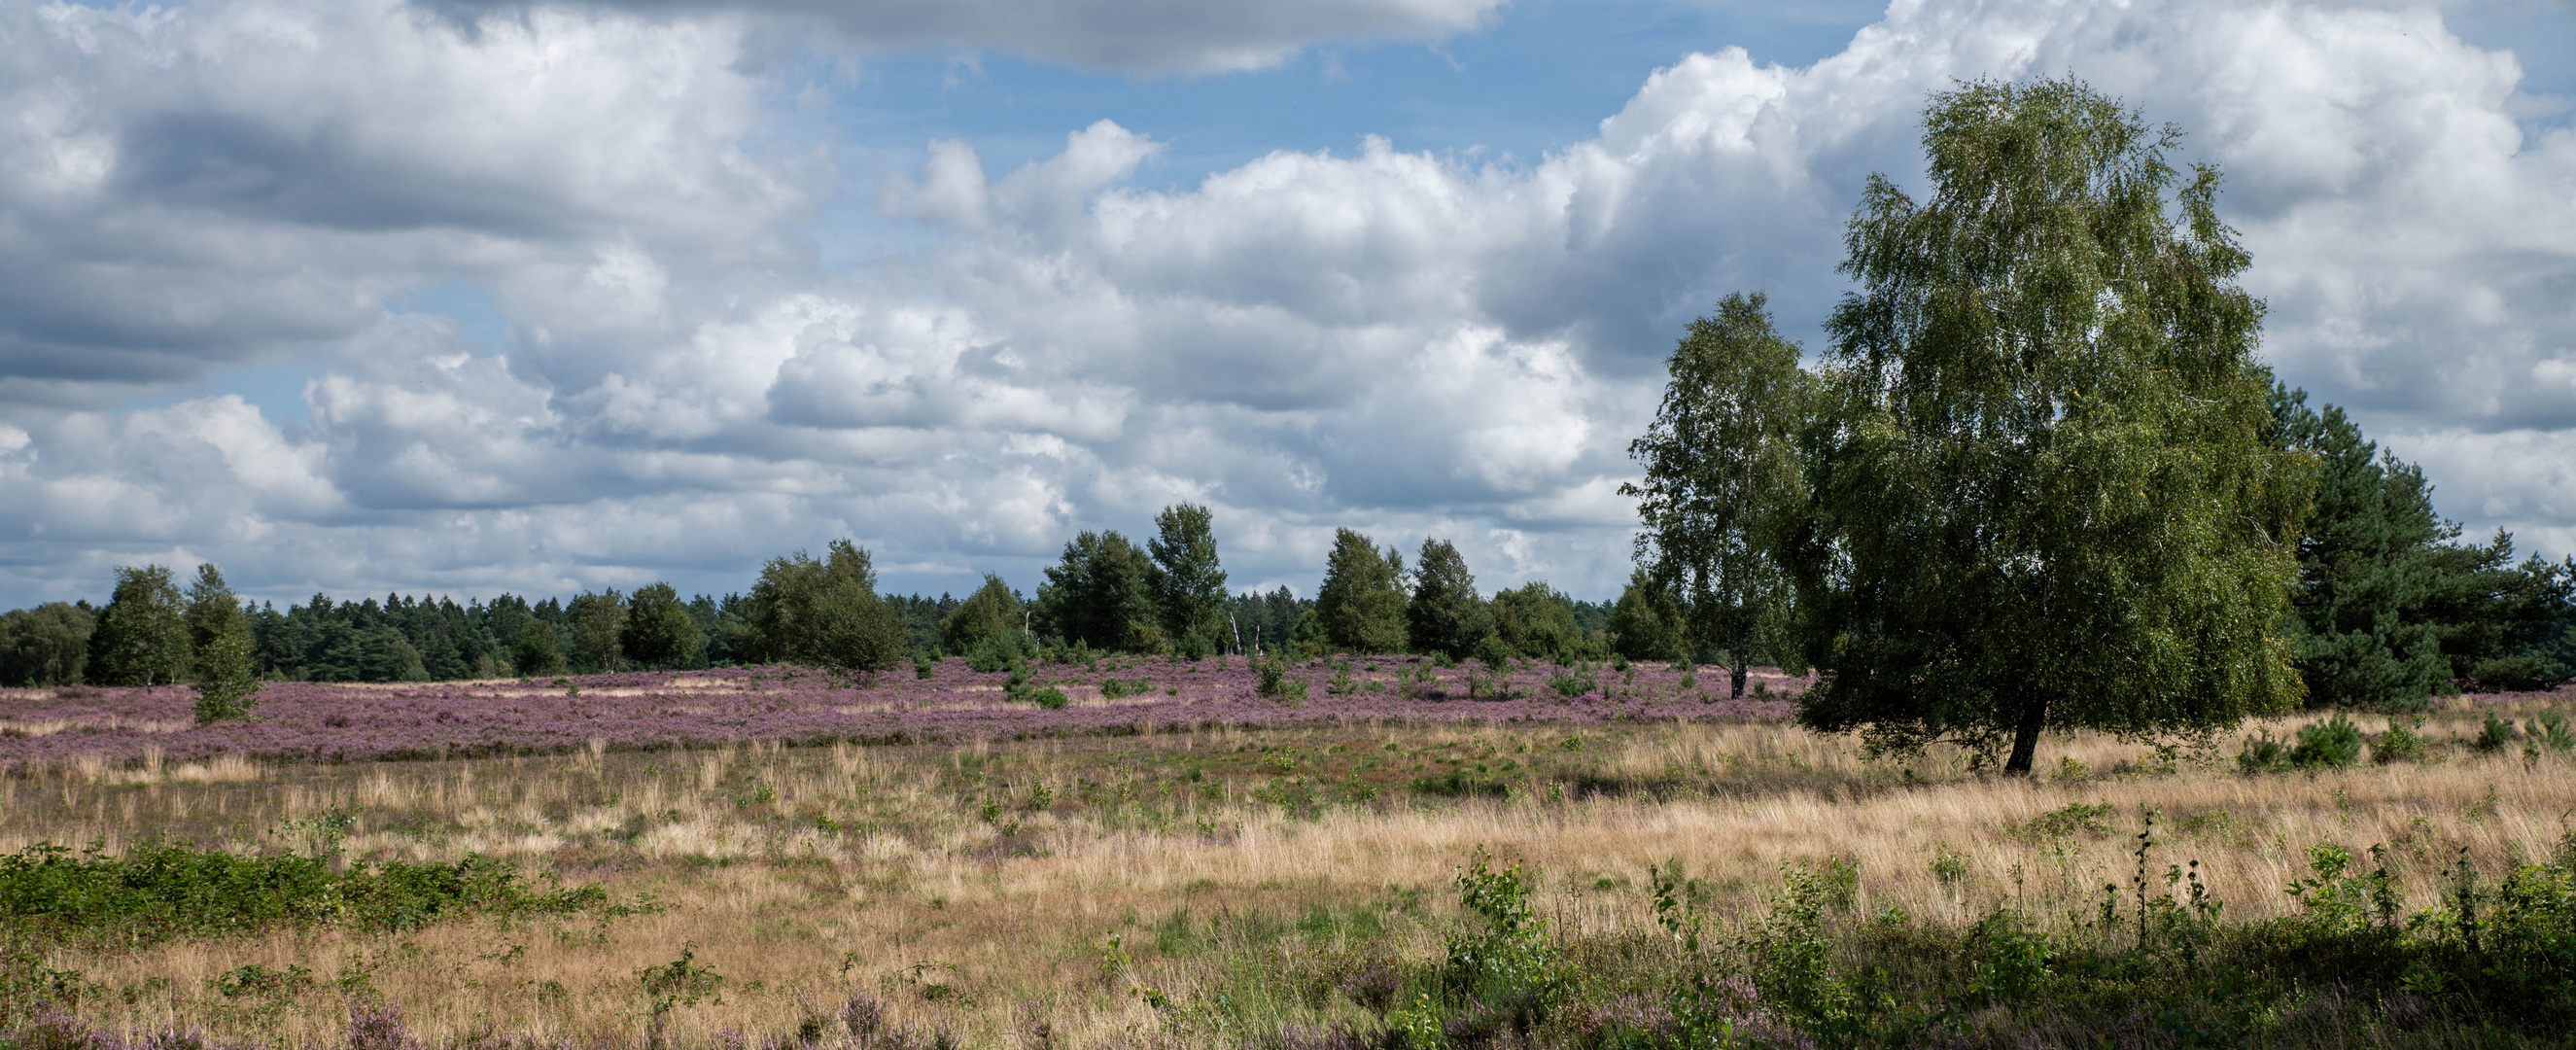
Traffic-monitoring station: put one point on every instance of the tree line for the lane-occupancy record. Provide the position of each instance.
(2039, 480)
(1106, 593)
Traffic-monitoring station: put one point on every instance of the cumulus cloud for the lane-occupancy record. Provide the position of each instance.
(1400, 342)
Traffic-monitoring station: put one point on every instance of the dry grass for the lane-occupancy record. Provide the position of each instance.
(964, 882)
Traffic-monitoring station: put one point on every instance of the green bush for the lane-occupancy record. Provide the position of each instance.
(2398, 744)
(1050, 699)
(2332, 744)
(2496, 735)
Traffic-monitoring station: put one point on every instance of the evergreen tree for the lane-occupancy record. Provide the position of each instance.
(1445, 614)
(2043, 495)
(1100, 594)
(2370, 564)
(992, 613)
(141, 637)
(1188, 584)
(46, 645)
(1362, 600)
(659, 631)
(1722, 479)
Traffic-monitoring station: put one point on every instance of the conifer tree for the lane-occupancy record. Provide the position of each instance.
(1445, 614)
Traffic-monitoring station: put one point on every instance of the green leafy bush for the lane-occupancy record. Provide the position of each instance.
(2496, 735)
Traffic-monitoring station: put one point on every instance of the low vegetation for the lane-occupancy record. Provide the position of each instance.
(1635, 883)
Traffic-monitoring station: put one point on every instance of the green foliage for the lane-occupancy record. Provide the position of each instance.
(824, 612)
(1573, 681)
(2495, 734)
(1723, 481)
(2263, 753)
(1510, 957)
(2398, 744)
(1101, 593)
(659, 631)
(1537, 621)
(1188, 584)
(46, 645)
(2369, 567)
(997, 652)
(1445, 615)
(155, 892)
(141, 637)
(226, 688)
(992, 613)
(1646, 623)
(598, 624)
(2332, 744)
(536, 651)
(213, 615)
(2073, 818)
(1791, 951)
(2043, 494)
(1495, 654)
(1361, 603)
(1050, 698)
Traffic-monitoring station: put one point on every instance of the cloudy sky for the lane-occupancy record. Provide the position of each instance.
(470, 296)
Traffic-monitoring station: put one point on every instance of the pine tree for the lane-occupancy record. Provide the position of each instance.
(1188, 583)
(1445, 614)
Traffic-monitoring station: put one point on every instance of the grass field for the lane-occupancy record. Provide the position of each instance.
(1294, 885)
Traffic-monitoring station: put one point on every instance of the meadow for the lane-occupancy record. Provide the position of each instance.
(1363, 853)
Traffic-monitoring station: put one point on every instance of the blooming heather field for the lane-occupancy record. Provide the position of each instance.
(347, 722)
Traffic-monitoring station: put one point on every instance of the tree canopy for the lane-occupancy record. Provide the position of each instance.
(1188, 583)
(141, 638)
(825, 611)
(1445, 614)
(1361, 602)
(1722, 478)
(659, 631)
(1100, 594)
(992, 612)
(2042, 494)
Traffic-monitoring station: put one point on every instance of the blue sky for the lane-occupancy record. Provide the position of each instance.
(480, 295)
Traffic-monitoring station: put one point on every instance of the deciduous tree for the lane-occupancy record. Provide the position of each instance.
(660, 631)
(1722, 476)
(2043, 494)
(1189, 585)
(1361, 602)
(1445, 614)
(141, 637)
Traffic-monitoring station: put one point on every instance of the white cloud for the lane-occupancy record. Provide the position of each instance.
(1400, 342)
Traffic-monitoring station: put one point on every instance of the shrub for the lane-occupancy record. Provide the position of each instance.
(2495, 735)
(2398, 744)
(2331, 744)
(1572, 682)
(922, 667)
(996, 652)
(1050, 699)
(2263, 753)
(2550, 730)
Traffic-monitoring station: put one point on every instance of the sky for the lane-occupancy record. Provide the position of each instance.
(480, 296)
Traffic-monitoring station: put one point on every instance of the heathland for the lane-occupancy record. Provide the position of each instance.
(1155, 852)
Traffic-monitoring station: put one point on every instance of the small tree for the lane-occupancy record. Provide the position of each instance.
(1362, 600)
(141, 637)
(227, 689)
(1188, 583)
(660, 631)
(1722, 478)
(1445, 615)
(598, 630)
(992, 612)
(2044, 495)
